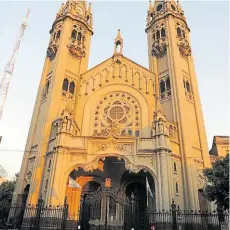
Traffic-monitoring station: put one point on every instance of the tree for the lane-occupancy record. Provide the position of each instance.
(6, 192)
(217, 186)
(2, 172)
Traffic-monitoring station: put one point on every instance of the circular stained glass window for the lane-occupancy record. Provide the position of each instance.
(117, 112)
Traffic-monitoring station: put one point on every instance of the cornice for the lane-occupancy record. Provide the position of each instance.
(62, 18)
(163, 17)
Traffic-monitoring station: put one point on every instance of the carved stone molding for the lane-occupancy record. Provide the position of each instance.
(184, 48)
(93, 165)
(121, 147)
(52, 50)
(28, 177)
(159, 48)
(76, 49)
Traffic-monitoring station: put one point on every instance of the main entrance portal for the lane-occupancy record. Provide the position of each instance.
(107, 208)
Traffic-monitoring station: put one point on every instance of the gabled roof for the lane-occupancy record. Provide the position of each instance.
(123, 57)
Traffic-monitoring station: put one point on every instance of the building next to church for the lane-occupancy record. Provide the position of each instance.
(220, 147)
(117, 120)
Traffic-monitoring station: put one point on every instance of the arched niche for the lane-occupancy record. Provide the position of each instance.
(89, 107)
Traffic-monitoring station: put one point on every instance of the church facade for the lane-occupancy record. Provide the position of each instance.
(118, 121)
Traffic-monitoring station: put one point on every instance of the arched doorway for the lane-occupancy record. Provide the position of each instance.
(135, 187)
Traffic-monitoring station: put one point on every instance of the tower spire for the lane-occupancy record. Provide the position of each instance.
(118, 43)
(89, 8)
(150, 6)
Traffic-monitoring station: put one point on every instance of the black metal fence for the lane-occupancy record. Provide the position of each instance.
(40, 217)
(177, 219)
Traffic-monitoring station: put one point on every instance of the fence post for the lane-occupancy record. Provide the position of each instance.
(173, 206)
(220, 214)
(39, 211)
(65, 214)
(132, 211)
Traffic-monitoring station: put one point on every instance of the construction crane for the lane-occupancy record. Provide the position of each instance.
(5, 80)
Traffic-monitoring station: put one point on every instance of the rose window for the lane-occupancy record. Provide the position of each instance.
(117, 114)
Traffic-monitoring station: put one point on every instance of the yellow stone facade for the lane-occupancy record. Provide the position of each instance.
(150, 119)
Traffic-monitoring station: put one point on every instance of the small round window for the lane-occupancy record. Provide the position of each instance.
(116, 113)
(159, 7)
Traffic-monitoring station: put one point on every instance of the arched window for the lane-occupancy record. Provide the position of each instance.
(188, 87)
(168, 86)
(65, 84)
(72, 87)
(87, 18)
(174, 167)
(137, 133)
(162, 86)
(79, 36)
(49, 165)
(178, 32)
(183, 33)
(158, 34)
(159, 7)
(177, 188)
(74, 34)
(118, 46)
(46, 185)
(58, 34)
(163, 34)
(154, 37)
(130, 132)
(54, 36)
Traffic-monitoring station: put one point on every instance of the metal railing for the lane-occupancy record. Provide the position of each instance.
(40, 217)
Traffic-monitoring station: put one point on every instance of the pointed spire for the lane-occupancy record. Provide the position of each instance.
(118, 43)
(89, 8)
(179, 7)
(118, 35)
(150, 6)
(61, 9)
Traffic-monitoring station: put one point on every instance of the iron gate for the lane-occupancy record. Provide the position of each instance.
(107, 208)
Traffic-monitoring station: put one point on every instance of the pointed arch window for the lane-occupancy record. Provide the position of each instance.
(178, 31)
(183, 33)
(46, 185)
(163, 33)
(74, 34)
(188, 87)
(79, 35)
(162, 86)
(49, 165)
(168, 86)
(158, 34)
(137, 133)
(54, 36)
(175, 167)
(65, 84)
(72, 87)
(177, 188)
(58, 34)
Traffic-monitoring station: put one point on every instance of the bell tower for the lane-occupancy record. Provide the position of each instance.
(67, 57)
(170, 58)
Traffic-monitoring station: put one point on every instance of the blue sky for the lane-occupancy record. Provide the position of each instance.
(209, 24)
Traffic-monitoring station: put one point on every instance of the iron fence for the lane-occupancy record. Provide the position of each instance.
(40, 217)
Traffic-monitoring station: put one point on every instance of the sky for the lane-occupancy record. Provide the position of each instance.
(209, 24)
